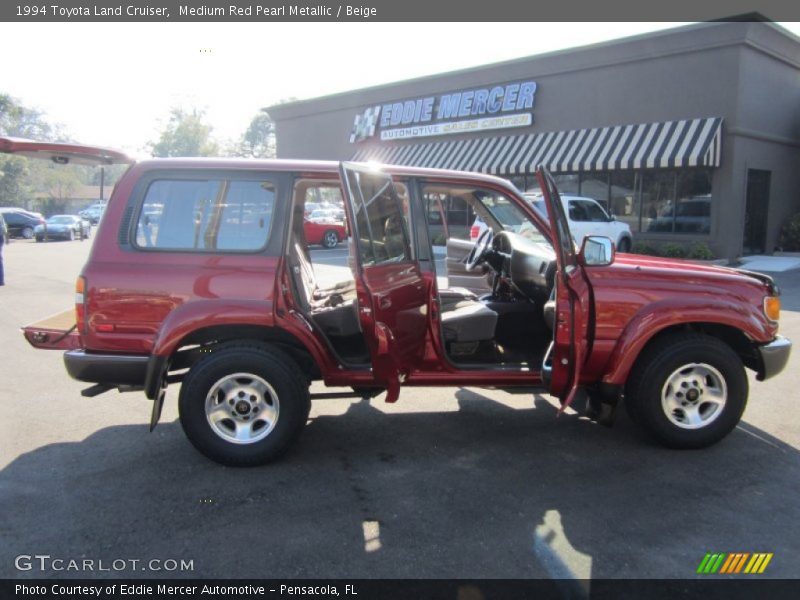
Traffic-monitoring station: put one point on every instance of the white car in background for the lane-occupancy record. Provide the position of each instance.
(586, 217)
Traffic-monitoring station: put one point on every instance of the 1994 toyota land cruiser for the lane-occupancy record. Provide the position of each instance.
(200, 274)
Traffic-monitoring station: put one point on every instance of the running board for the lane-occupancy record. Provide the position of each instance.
(335, 395)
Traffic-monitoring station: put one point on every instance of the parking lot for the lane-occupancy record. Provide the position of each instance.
(462, 483)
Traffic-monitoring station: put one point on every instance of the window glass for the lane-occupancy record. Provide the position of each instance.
(595, 186)
(693, 210)
(658, 201)
(577, 211)
(501, 207)
(623, 202)
(246, 215)
(434, 211)
(567, 183)
(583, 210)
(381, 218)
(593, 211)
(518, 182)
(458, 216)
(206, 215)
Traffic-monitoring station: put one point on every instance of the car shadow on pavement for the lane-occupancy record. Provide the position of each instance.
(486, 491)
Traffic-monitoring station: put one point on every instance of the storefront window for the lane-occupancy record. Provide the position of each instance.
(658, 201)
(595, 185)
(649, 201)
(518, 182)
(567, 183)
(624, 198)
(693, 210)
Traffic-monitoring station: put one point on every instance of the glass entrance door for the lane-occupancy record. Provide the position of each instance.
(756, 211)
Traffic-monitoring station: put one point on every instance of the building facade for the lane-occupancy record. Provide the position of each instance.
(688, 135)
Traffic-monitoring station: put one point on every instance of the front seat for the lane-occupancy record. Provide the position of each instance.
(465, 318)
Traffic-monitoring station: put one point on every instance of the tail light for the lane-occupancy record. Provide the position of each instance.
(80, 303)
(474, 232)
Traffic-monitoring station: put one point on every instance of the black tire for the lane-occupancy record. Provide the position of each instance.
(656, 401)
(27, 233)
(624, 245)
(254, 361)
(330, 239)
(39, 238)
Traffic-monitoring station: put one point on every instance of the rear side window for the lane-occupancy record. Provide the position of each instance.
(206, 215)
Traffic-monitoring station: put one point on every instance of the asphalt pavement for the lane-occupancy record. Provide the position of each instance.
(462, 483)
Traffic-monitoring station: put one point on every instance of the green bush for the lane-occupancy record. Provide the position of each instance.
(674, 251)
(644, 248)
(700, 251)
(790, 234)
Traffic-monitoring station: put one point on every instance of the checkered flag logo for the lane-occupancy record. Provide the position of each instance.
(364, 124)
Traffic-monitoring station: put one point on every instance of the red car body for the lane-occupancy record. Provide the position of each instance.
(322, 233)
(141, 315)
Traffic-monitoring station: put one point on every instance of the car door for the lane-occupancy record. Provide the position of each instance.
(392, 296)
(572, 314)
(59, 332)
(63, 154)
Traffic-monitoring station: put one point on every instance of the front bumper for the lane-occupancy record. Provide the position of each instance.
(111, 369)
(772, 357)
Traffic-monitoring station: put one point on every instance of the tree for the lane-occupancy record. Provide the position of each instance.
(18, 176)
(60, 184)
(186, 134)
(259, 139)
(14, 186)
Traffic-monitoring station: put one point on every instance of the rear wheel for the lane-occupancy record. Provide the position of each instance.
(687, 390)
(330, 239)
(27, 233)
(244, 404)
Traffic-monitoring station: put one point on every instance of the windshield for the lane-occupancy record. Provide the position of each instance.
(540, 207)
(509, 215)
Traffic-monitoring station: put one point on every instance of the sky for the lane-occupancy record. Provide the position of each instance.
(113, 84)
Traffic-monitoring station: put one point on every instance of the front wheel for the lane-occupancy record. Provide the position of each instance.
(244, 404)
(687, 390)
(27, 233)
(624, 245)
(330, 239)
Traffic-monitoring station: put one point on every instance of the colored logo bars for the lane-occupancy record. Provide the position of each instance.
(734, 562)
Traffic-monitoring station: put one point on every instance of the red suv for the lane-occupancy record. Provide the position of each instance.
(200, 274)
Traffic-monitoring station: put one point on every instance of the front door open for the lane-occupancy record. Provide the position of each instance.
(571, 324)
(391, 291)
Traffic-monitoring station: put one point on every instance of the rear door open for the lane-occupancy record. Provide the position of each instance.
(63, 153)
(59, 332)
(392, 296)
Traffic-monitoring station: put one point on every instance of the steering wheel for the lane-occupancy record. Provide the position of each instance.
(479, 250)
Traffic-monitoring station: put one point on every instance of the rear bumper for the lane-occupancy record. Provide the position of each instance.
(112, 369)
(773, 357)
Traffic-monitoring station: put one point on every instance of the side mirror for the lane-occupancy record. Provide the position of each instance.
(612, 217)
(596, 251)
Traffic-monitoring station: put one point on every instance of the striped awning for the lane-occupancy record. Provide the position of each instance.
(666, 144)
